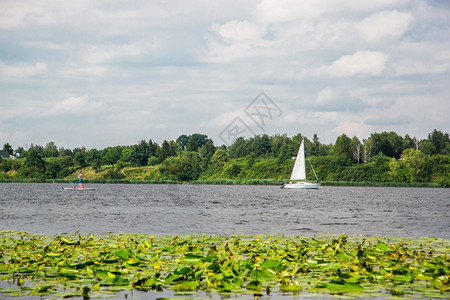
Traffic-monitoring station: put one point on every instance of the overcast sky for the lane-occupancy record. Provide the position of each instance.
(107, 73)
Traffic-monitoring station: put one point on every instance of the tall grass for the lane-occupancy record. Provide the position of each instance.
(224, 181)
(382, 184)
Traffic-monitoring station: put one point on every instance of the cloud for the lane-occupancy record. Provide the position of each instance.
(158, 69)
(389, 121)
(351, 128)
(385, 24)
(22, 70)
(338, 100)
(18, 13)
(97, 54)
(359, 63)
(241, 30)
(277, 11)
(72, 106)
(423, 58)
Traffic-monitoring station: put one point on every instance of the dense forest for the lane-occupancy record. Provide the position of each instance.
(382, 157)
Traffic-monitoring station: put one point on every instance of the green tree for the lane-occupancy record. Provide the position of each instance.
(409, 142)
(277, 143)
(239, 148)
(314, 149)
(389, 143)
(284, 153)
(8, 148)
(206, 152)
(153, 148)
(34, 165)
(416, 165)
(343, 147)
(126, 154)
(183, 168)
(140, 154)
(219, 158)
(34, 159)
(168, 149)
(260, 145)
(66, 161)
(380, 168)
(182, 141)
(439, 140)
(231, 170)
(111, 155)
(53, 168)
(50, 150)
(94, 159)
(152, 161)
(196, 140)
(80, 158)
(428, 148)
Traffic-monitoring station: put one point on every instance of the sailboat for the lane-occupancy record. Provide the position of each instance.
(298, 176)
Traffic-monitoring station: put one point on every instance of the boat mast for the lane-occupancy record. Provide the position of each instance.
(311, 165)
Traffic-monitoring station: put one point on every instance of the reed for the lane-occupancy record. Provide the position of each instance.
(381, 184)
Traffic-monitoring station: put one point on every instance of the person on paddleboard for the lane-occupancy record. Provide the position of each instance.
(80, 179)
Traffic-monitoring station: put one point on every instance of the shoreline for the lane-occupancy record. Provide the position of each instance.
(228, 182)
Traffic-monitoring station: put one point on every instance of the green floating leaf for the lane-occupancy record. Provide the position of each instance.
(293, 287)
(68, 295)
(405, 277)
(123, 254)
(397, 292)
(382, 247)
(182, 271)
(25, 270)
(344, 287)
(44, 288)
(9, 290)
(186, 286)
(65, 241)
(51, 254)
(271, 264)
(120, 281)
(193, 258)
(254, 285)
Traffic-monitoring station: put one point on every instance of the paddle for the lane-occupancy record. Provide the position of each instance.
(76, 184)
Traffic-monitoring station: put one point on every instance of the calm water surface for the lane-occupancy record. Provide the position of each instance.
(214, 209)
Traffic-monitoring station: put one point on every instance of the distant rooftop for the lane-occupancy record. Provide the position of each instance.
(4, 154)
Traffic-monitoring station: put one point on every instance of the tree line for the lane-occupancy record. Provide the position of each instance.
(382, 157)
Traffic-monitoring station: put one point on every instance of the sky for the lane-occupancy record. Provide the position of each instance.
(103, 73)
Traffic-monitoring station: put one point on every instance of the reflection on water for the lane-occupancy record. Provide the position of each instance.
(186, 209)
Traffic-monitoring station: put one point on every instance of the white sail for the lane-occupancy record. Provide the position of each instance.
(298, 173)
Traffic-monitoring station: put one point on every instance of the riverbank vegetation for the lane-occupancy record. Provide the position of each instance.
(88, 266)
(385, 159)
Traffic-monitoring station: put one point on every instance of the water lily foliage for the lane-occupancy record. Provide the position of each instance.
(88, 266)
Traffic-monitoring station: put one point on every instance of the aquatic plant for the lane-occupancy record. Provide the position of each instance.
(88, 266)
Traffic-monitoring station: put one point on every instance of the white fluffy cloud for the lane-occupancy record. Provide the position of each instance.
(72, 106)
(273, 11)
(241, 30)
(384, 25)
(22, 70)
(359, 63)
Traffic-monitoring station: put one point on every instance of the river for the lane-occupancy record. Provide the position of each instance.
(225, 209)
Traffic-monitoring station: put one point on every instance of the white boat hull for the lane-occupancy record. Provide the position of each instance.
(302, 185)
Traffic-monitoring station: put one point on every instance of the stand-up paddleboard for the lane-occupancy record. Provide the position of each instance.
(78, 189)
